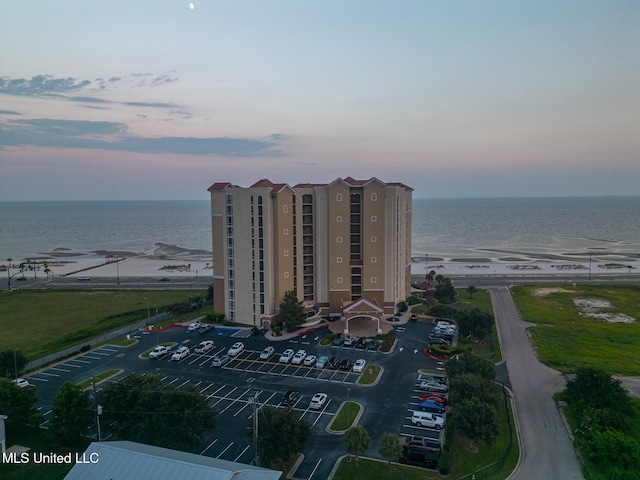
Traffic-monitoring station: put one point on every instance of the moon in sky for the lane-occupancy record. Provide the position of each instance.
(192, 6)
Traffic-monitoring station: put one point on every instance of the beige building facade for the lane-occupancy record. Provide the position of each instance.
(338, 245)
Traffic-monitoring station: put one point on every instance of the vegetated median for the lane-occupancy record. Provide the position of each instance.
(41, 322)
(345, 418)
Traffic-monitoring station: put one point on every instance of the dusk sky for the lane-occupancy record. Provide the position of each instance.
(157, 100)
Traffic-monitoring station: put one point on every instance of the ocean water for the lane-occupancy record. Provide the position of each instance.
(453, 230)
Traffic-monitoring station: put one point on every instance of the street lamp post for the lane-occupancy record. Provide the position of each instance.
(426, 266)
(148, 311)
(590, 265)
(117, 270)
(15, 363)
(9, 260)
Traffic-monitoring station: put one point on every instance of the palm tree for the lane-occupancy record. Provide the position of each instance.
(439, 279)
(358, 441)
(390, 447)
(471, 289)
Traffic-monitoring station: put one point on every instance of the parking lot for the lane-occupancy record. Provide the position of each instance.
(231, 388)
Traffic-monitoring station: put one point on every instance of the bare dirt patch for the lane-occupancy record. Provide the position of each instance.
(543, 292)
(592, 307)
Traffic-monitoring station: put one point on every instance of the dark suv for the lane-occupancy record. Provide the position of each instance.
(290, 398)
(337, 340)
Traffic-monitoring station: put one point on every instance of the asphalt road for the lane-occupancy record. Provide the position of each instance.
(546, 449)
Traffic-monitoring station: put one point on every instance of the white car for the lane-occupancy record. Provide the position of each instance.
(159, 351)
(426, 419)
(299, 357)
(267, 353)
(286, 356)
(204, 346)
(358, 367)
(433, 386)
(22, 382)
(348, 341)
(193, 327)
(318, 401)
(310, 361)
(235, 349)
(182, 352)
(220, 361)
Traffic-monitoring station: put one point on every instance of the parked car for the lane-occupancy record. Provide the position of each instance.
(361, 344)
(22, 382)
(427, 419)
(220, 361)
(431, 406)
(267, 353)
(322, 361)
(358, 366)
(205, 327)
(286, 356)
(290, 398)
(164, 279)
(346, 365)
(435, 397)
(193, 327)
(337, 340)
(185, 343)
(159, 352)
(182, 352)
(318, 401)
(334, 363)
(348, 341)
(298, 358)
(235, 349)
(373, 345)
(204, 347)
(310, 360)
(433, 386)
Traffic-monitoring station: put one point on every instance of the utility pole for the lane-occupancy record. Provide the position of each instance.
(256, 460)
(97, 408)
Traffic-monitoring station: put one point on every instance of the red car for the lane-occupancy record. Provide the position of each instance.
(436, 398)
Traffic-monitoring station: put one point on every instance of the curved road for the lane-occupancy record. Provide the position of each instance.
(546, 450)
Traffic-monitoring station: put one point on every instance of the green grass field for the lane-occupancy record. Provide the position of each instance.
(41, 322)
(567, 338)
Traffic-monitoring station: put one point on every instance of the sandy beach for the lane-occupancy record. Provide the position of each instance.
(170, 261)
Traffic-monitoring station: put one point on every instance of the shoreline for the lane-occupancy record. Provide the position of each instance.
(189, 265)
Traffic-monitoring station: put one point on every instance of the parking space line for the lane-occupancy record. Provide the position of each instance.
(109, 350)
(205, 388)
(66, 364)
(208, 359)
(209, 446)
(40, 379)
(184, 383)
(247, 403)
(238, 399)
(59, 369)
(225, 397)
(225, 450)
(92, 358)
(81, 361)
(242, 453)
(97, 352)
(174, 380)
(214, 393)
(164, 378)
(49, 374)
(314, 469)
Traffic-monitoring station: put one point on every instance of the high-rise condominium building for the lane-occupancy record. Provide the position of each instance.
(343, 247)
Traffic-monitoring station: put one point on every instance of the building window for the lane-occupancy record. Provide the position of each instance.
(339, 260)
(285, 231)
(374, 196)
(338, 239)
(285, 208)
(374, 239)
(338, 197)
(374, 259)
(339, 280)
(339, 219)
(286, 253)
(374, 280)
(374, 218)
(286, 274)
